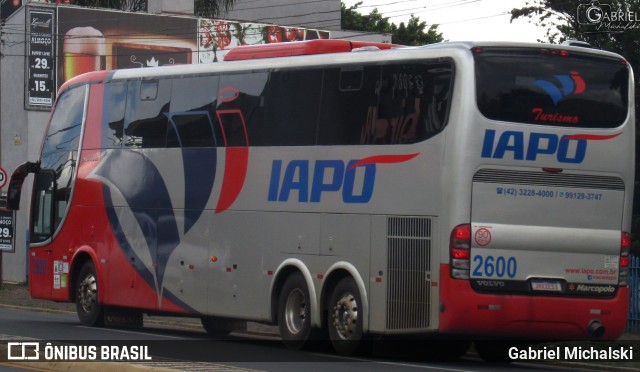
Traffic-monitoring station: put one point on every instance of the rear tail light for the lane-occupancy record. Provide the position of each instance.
(625, 247)
(459, 251)
(554, 52)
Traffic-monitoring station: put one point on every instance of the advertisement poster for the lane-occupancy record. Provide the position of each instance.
(217, 37)
(40, 69)
(7, 224)
(91, 40)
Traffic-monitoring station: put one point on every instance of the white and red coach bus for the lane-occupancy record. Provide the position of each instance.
(468, 189)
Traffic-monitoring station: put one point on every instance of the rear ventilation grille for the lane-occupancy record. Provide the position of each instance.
(409, 270)
(548, 179)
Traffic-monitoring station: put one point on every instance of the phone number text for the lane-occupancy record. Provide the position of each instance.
(538, 193)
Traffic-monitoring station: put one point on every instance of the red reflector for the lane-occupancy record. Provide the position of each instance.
(564, 53)
(624, 261)
(460, 254)
(462, 232)
(625, 242)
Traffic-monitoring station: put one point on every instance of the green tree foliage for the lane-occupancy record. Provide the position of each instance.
(413, 33)
(566, 19)
(373, 22)
(211, 8)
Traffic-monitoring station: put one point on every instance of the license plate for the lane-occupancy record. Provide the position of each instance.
(546, 286)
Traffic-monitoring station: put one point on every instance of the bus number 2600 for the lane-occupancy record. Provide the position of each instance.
(490, 266)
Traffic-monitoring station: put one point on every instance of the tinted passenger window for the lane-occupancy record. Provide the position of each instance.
(54, 181)
(413, 105)
(396, 103)
(240, 111)
(193, 105)
(194, 93)
(533, 87)
(115, 104)
(65, 127)
(349, 101)
(146, 119)
(293, 105)
(43, 219)
(194, 129)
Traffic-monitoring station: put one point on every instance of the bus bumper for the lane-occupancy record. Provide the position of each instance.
(464, 311)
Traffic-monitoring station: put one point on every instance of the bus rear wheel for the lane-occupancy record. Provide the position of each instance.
(89, 310)
(345, 317)
(294, 312)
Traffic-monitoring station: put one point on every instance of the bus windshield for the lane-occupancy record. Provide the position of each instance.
(551, 87)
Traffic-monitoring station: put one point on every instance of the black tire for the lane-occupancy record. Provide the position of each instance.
(90, 311)
(345, 317)
(494, 351)
(222, 326)
(294, 312)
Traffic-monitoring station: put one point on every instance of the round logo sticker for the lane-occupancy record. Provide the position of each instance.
(483, 237)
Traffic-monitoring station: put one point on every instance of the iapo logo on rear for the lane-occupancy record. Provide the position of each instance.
(568, 84)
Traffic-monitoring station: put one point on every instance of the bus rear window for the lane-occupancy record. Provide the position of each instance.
(545, 87)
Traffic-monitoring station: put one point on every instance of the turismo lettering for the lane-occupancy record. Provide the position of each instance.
(310, 179)
(541, 115)
(523, 147)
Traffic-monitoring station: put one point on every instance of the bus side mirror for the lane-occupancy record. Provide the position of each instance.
(15, 184)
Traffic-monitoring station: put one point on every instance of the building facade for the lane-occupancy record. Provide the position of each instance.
(45, 43)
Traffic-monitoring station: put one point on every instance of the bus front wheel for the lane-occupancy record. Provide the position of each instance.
(89, 310)
(345, 317)
(294, 312)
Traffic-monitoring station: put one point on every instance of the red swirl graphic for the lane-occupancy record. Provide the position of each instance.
(590, 137)
(383, 159)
